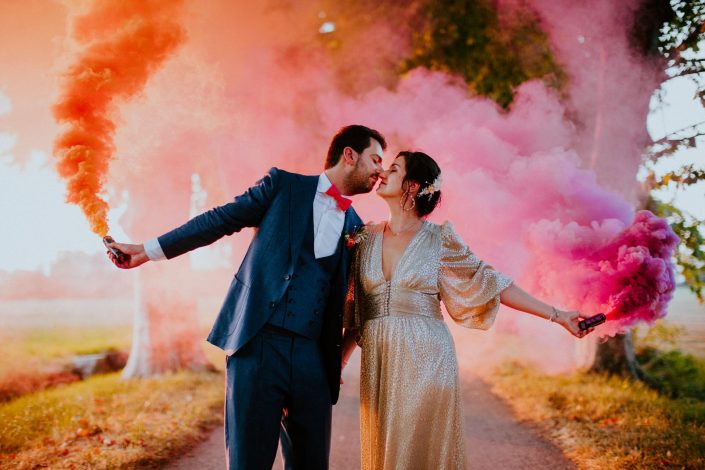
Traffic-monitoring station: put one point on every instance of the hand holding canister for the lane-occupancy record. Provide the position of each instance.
(120, 257)
(592, 321)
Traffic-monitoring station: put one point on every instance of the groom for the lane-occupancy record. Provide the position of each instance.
(281, 322)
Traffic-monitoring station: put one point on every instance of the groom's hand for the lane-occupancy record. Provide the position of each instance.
(136, 255)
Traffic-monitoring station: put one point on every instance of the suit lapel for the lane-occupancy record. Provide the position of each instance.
(348, 226)
(344, 261)
(301, 197)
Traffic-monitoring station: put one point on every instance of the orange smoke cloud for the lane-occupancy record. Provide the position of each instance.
(124, 42)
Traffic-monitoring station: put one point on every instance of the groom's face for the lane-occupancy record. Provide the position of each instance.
(367, 169)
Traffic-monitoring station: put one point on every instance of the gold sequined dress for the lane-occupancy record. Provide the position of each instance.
(410, 405)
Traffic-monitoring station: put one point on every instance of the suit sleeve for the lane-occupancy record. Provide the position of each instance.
(247, 210)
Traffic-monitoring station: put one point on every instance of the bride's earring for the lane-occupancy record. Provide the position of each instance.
(404, 200)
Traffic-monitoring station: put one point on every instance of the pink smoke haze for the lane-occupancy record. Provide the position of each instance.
(520, 186)
(545, 191)
(625, 271)
(525, 203)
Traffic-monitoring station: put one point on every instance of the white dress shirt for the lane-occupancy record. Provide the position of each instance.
(328, 221)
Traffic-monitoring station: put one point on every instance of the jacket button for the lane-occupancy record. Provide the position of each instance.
(337, 345)
(272, 304)
(287, 277)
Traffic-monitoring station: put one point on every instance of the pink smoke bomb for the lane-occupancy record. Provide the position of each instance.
(592, 321)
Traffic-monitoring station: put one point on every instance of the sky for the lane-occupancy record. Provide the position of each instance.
(679, 110)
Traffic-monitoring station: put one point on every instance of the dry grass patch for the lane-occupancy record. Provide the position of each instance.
(608, 422)
(106, 422)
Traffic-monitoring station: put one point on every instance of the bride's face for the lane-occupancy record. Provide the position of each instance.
(391, 179)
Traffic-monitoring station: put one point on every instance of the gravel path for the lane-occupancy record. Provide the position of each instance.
(494, 439)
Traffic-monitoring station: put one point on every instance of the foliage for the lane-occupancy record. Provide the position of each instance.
(661, 335)
(675, 374)
(605, 421)
(671, 371)
(492, 53)
(690, 256)
(680, 44)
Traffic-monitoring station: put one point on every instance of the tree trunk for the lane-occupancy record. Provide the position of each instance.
(616, 356)
(166, 335)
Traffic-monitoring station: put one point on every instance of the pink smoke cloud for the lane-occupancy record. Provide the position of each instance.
(253, 89)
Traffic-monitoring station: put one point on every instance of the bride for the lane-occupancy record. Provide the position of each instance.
(410, 408)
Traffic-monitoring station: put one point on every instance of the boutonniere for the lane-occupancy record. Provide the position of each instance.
(357, 236)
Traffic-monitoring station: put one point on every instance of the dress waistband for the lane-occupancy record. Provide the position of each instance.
(394, 300)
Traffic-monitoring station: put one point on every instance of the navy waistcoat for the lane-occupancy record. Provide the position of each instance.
(302, 307)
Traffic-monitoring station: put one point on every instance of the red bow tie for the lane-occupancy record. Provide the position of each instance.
(343, 202)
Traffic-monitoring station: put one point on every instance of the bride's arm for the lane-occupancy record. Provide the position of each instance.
(516, 298)
(349, 343)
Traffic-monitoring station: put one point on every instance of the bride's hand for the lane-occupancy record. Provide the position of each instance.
(570, 320)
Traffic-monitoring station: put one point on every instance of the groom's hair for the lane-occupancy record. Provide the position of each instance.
(357, 137)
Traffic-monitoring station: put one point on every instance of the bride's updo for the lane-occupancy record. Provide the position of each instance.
(424, 170)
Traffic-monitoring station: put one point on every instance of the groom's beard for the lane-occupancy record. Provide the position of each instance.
(360, 183)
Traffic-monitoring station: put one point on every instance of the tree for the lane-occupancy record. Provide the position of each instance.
(680, 43)
(494, 53)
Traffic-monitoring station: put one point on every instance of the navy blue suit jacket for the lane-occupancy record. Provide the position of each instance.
(280, 206)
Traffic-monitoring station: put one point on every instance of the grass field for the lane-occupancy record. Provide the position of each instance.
(604, 421)
(607, 422)
(104, 421)
(107, 422)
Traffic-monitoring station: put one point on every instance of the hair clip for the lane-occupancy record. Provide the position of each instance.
(431, 188)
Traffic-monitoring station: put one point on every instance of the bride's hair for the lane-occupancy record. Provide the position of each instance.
(424, 170)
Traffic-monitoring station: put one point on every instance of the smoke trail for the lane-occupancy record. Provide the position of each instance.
(125, 42)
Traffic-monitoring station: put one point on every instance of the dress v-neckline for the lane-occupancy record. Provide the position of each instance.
(401, 257)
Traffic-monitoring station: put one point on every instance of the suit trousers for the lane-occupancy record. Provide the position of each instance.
(272, 375)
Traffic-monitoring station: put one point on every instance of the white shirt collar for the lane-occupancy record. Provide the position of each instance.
(323, 183)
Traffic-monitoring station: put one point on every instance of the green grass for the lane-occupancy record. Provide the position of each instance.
(674, 373)
(36, 359)
(35, 349)
(107, 422)
(56, 342)
(104, 421)
(608, 422)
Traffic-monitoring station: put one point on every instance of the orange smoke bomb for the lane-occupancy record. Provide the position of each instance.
(124, 44)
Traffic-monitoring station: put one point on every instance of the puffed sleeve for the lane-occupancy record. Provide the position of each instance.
(352, 318)
(469, 287)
